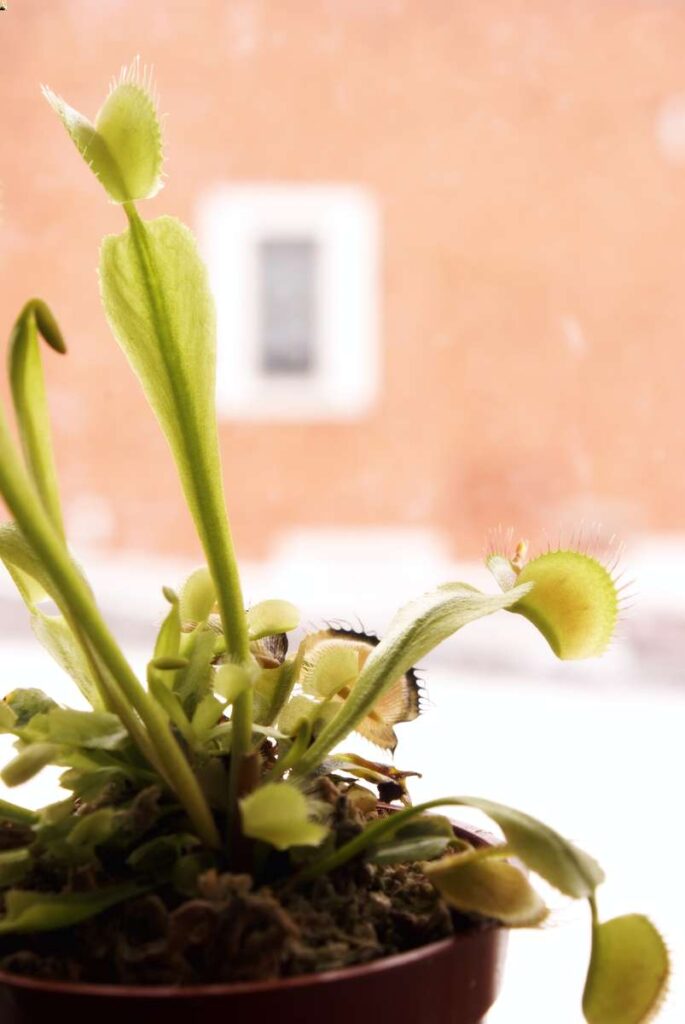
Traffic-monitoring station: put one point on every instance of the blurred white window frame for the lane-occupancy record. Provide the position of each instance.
(260, 240)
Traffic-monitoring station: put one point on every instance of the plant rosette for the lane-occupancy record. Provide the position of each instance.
(215, 848)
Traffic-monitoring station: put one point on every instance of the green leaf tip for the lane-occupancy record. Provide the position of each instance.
(124, 146)
(573, 600)
(27, 911)
(475, 884)
(628, 974)
(44, 320)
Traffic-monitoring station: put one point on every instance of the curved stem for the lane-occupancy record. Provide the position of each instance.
(371, 835)
(47, 544)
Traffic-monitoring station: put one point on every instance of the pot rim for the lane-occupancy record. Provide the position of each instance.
(397, 960)
(222, 989)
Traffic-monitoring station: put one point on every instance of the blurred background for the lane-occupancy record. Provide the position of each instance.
(446, 243)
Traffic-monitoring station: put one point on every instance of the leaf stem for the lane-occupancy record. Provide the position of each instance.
(200, 472)
(209, 511)
(17, 815)
(241, 744)
(27, 382)
(371, 835)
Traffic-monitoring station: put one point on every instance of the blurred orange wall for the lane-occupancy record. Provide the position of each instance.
(528, 162)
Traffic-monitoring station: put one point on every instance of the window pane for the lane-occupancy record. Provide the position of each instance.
(287, 305)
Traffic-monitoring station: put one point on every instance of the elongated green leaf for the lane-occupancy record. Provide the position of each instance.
(193, 683)
(405, 850)
(124, 146)
(422, 838)
(157, 300)
(27, 911)
(30, 403)
(16, 553)
(155, 293)
(415, 630)
(271, 617)
(92, 730)
(207, 714)
(171, 704)
(17, 815)
(628, 972)
(541, 849)
(557, 860)
(126, 695)
(278, 814)
(34, 583)
(493, 888)
(29, 591)
(57, 638)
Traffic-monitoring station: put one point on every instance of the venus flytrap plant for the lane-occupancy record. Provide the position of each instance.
(233, 736)
(157, 300)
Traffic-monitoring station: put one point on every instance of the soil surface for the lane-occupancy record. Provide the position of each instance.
(232, 930)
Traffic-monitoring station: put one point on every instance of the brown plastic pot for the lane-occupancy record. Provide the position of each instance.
(454, 981)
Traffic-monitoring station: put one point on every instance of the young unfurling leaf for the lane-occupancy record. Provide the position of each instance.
(30, 403)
